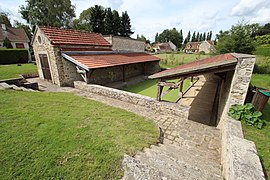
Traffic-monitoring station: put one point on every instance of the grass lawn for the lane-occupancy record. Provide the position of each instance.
(176, 59)
(261, 137)
(13, 71)
(149, 88)
(62, 136)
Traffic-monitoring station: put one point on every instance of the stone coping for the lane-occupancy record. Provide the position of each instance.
(239, 156)
(137, 99)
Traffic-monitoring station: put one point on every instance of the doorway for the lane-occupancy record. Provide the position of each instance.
(45, 66)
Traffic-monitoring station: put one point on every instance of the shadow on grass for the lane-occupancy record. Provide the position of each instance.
(136, 88)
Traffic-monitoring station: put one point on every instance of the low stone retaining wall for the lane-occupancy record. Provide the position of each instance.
(164, 107)
(239, 156)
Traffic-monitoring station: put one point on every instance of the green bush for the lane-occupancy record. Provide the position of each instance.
(13, 56)
(247, 113)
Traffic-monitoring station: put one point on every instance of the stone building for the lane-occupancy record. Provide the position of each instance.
(125, 43)
(196, 47)
(65, 56)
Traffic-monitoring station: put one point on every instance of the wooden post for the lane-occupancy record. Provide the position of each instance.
(191, 81)
(124, 73)
(181, 89)
(159, 91)
(144, 69)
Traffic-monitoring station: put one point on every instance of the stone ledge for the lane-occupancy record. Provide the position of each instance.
(137, 99)
(239, 156)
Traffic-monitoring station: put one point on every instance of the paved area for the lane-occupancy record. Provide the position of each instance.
(201, 98)
(190, 150)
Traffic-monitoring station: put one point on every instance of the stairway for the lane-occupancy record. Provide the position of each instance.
(14, 87)
(167, 161)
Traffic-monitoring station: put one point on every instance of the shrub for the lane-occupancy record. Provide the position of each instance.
(13, 56)
(247, 113)
(202, 53)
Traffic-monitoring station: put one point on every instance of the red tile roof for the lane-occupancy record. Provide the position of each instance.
(14, 34)
(197, 65)
(73, 37)
(94, 61)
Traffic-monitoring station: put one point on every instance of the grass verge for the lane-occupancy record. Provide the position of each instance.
(149, 88)
(13, 71)
(261, 137)
(62, 136)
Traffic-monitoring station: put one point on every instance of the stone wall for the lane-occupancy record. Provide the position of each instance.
(125, 44)
(161, 107)
(239, 157)
(70, 73)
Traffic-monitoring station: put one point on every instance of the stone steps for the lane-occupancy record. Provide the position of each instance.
(174, 162)
(14, 87)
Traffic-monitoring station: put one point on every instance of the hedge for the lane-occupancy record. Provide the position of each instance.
(13, 56)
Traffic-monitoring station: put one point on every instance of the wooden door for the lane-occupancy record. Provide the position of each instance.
(45, 66)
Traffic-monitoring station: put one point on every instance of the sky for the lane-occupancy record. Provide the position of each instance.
(151, 16)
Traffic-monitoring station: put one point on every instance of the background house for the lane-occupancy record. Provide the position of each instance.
(16, 36)
(196, 47)
(164, 47)
(65, 56)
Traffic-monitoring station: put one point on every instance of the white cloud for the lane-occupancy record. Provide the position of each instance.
(262, 16)
(249, 7)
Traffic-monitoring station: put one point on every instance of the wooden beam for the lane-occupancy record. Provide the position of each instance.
(181, 89)
(191, 81)
(166, 92)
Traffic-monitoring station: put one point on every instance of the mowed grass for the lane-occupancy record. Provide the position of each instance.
(62, 136)
(149, 88)
(176, 59)
(13, 71)
(261, 137)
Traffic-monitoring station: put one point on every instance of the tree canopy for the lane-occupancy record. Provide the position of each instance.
(238, 39)
(4, 19)
(48, 12)
(105, 21)
(176, 37)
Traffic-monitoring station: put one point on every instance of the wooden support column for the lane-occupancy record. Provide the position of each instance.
(191, 81)
(181, 89)
(159, 90)
(124, 73)
(144, 69)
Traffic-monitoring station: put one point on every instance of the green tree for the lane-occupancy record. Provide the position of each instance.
(4, 19)
(156, 38)
(97, 19)
(125, 26)
(116, 23)
(48, 12)
(187, 38)
(142, 38)
(201, 37)
(237, 39)
(198, 37)
(109, 22)
(83, 22)
(193, 39)
(261, 40)
(204, 36)
(181, 37)
(170, 35)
